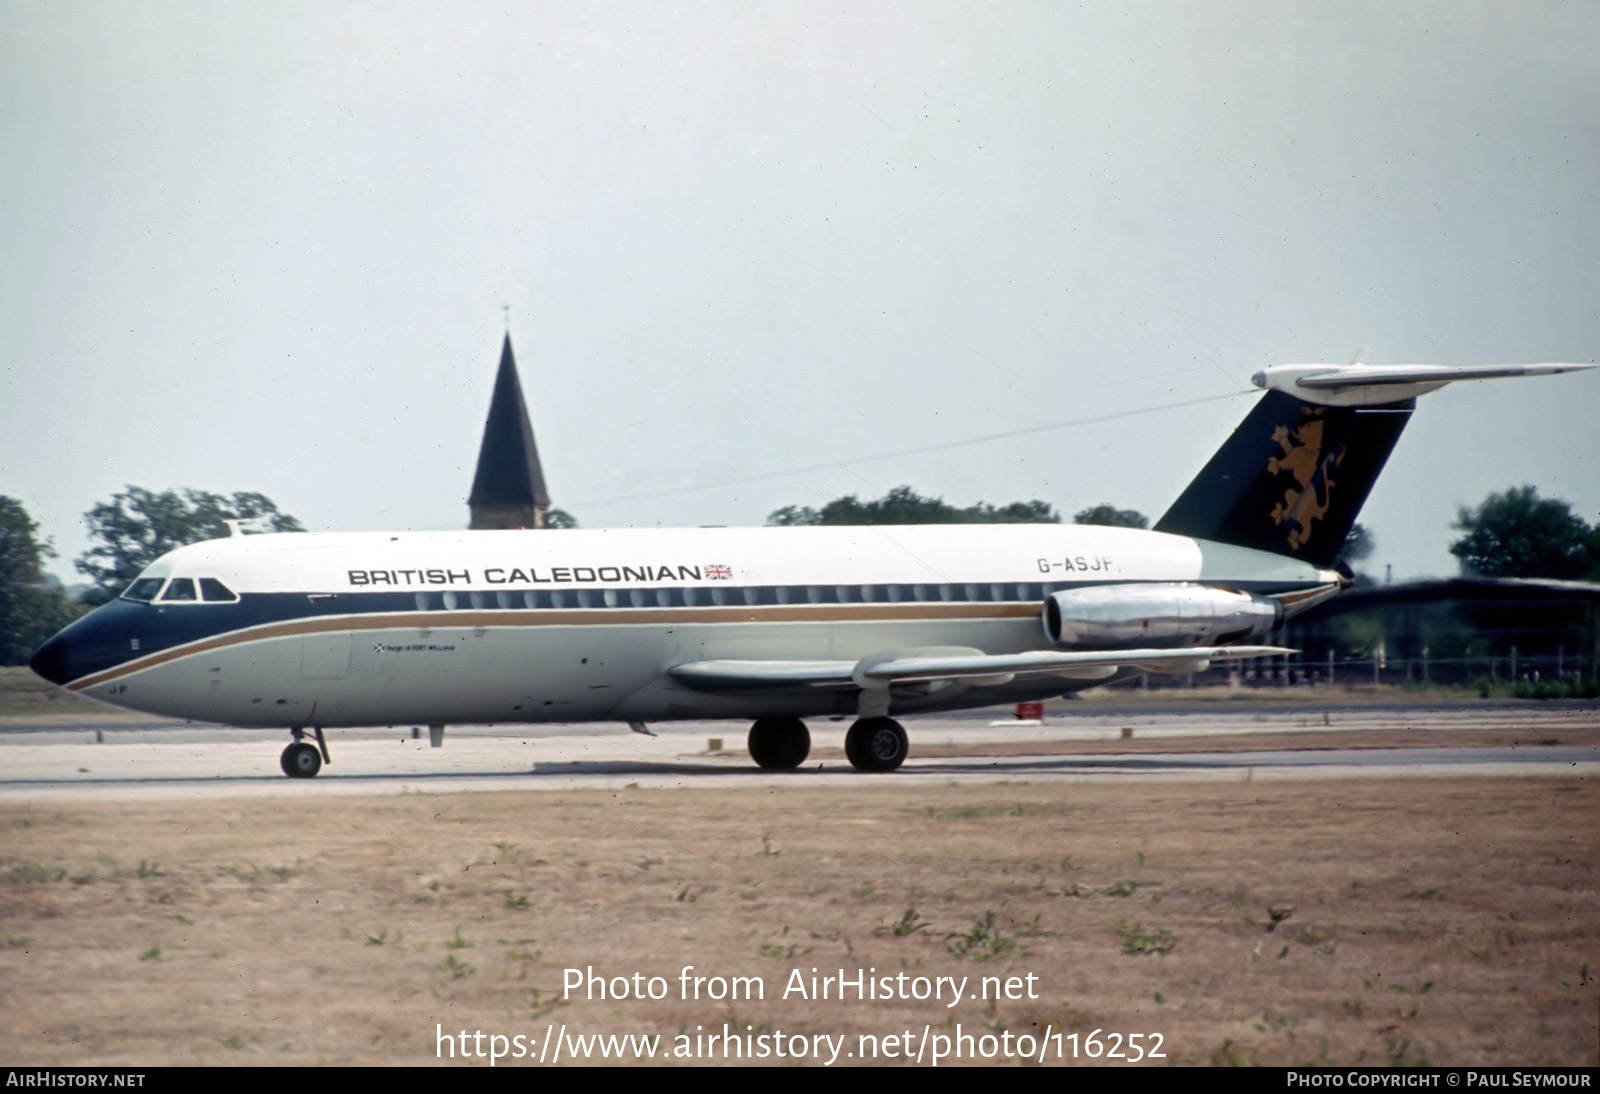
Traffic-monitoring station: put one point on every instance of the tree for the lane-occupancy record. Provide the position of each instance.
(1359, 544)
(1112, 517)
(1519, 534)
(903, 505)
(31, 609)
(560, 518)
(139, 526)
(791, 515)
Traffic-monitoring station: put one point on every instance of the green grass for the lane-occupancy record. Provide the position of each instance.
(908, 923)
(1136, 939)
(458, 969)
(984, 942)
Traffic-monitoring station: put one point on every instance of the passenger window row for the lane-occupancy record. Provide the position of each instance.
(741, 596)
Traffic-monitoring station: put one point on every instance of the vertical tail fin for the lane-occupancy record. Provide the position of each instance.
(1292, 478)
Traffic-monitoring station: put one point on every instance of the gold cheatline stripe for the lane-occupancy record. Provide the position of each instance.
(1296, 597)
(782, 613)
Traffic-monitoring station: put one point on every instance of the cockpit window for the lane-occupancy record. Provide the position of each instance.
(180, 588)
(212, 589)
(144, 589)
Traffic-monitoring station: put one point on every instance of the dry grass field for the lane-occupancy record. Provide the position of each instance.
(1405, 920)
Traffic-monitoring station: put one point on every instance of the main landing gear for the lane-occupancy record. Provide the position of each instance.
(876, 744)
(302, 760)
(779, 744)
(872, 744)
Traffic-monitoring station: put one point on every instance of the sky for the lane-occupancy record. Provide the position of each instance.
(748, 253)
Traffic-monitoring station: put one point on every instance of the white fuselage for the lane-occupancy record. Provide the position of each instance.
(565, 626)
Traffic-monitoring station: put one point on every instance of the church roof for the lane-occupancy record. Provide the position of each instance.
(508, 463)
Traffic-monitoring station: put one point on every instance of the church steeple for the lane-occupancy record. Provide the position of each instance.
(508, 490)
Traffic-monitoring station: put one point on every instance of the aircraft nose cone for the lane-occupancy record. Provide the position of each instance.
(52, 662)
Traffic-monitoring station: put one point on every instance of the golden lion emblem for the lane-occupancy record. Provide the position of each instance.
(1304, 459)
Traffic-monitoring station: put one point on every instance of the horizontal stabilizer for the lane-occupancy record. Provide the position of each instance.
(881, 671)
(1370, 385)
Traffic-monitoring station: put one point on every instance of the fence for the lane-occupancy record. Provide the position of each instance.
(1303, 671)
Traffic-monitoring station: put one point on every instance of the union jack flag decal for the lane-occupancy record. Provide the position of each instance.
(719, 573)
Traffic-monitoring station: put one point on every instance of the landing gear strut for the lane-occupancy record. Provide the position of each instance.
(876, 744)
(302, 760)
(779, 744)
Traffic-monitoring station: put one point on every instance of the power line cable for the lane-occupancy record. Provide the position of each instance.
(897, 453)
(917, 451)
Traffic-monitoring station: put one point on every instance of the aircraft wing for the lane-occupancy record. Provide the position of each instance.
(762, 675)
(919, 666)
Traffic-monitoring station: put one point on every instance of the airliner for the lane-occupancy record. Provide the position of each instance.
(308, 632)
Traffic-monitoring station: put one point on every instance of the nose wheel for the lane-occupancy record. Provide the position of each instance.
(876, 744)
(301, 761)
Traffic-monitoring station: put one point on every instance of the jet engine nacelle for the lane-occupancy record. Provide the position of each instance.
(1155, 616)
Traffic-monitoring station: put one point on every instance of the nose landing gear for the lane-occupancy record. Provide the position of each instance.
(302, 760)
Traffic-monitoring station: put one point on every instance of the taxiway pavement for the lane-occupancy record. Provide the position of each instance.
(40, 763)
